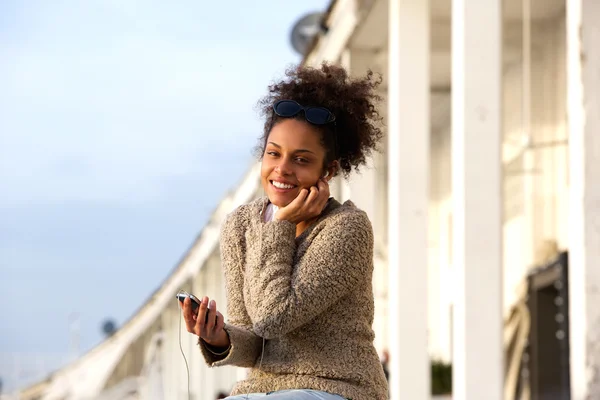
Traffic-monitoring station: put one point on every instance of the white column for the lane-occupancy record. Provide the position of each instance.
(583, 108)
(408, 142)
(529, 243)
(477, 199)
(363, 189)
(363, 186)
(340, 188)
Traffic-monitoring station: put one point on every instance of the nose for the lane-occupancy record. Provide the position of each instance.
(285, 166)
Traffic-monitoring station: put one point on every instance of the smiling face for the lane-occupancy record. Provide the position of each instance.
(292, 160)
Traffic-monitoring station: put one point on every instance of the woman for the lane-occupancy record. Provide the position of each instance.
(298, 264)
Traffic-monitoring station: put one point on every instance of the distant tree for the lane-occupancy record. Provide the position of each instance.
(441, 377)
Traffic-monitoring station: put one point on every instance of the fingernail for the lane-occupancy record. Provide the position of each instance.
(212, 304)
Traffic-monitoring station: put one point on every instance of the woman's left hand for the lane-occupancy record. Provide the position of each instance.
(307, 205)
(206, 322)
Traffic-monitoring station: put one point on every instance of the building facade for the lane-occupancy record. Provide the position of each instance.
(488, 173)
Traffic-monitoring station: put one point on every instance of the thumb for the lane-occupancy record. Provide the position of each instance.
(299, 200)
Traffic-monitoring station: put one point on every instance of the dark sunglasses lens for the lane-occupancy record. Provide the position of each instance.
(287, 108)
(318, 115)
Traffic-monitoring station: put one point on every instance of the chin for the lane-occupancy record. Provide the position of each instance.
(278, 201)
(281, 199)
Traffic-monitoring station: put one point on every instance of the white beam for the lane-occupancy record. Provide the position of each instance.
(583, 83)
(477, 199)
(408, 197)
(342, 23)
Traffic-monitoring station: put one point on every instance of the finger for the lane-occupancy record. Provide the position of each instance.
(323, 186)
(183, 303)
(193, 308)
(316, 202)
(211, 316)
(324, 191)
(299, 201)
(303, 195)
(220, 322)
(186, 308)
(202, 310)
(314, 193)
(189, 322)
(194, 312)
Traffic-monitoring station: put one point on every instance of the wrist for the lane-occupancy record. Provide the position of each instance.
(215, 351)
(221, 342)
(283, 218)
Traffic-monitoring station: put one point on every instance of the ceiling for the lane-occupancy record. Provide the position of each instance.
(370, 39)
(372, 31)
(372, 34)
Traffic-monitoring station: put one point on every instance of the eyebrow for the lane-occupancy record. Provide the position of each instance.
(296, 151)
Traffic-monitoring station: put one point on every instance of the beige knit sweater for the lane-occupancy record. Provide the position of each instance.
(310, 298)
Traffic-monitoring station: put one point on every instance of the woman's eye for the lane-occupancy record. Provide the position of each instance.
(302, 160)
(272, 153)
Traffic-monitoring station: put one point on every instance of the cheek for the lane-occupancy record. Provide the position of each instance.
(308, 178)
(265, 169)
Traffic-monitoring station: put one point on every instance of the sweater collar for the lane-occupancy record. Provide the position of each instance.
(260, 205)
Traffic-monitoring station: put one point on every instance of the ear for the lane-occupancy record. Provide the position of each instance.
(330, 171)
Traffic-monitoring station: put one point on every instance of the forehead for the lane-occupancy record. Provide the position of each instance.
(295, 134)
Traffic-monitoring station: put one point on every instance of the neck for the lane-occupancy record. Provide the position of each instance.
(304, 225)
(301, 227)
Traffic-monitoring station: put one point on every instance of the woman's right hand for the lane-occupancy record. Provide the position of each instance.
(309, 204)
(208, 329)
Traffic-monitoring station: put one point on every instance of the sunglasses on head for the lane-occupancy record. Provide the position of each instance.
(314, 115)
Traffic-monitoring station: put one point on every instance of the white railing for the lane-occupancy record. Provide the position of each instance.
(18, 370)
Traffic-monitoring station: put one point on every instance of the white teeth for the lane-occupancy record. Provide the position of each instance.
(280, 185)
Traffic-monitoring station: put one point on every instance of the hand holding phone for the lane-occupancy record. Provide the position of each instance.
(202, 319)
(195, 303)
(181, 296)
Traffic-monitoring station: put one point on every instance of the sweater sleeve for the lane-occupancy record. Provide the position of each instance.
(245, 344)
(284, 296)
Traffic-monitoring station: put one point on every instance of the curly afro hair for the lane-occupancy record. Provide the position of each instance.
(352, 100)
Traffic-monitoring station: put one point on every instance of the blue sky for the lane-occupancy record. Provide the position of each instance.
(122, 124)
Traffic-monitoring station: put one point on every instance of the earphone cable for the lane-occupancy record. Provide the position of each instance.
(187, 368)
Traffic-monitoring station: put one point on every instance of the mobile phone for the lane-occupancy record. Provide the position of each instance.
(195, 302)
